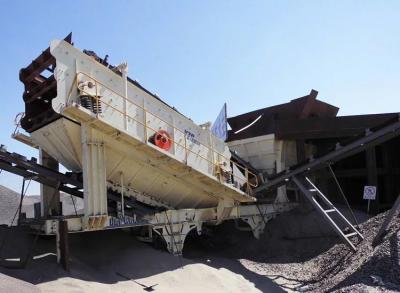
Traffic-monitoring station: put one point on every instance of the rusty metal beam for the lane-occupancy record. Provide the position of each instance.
(42, 62)
(41, 89)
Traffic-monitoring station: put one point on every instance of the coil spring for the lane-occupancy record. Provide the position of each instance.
(90, 103)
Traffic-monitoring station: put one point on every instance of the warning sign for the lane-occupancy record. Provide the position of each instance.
(370, 192)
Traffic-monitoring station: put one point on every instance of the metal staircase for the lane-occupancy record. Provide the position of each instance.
(325, 207)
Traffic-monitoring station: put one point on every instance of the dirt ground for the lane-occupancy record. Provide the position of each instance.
(297, 252)
(114, 261)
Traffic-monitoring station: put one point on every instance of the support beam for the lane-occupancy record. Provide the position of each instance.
(62, 244)
(174, 225)
(50, 198)
(257, 224)
(388, 178)
(21, 201)
(300, 150)
(94, 176)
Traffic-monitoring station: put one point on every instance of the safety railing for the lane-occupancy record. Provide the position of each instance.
(218, 170)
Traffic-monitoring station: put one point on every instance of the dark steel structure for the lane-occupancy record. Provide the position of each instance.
(40, 88)
(309, 121)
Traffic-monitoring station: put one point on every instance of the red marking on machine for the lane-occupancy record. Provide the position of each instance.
(163, 140)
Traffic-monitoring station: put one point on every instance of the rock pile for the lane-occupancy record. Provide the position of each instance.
(340, 268)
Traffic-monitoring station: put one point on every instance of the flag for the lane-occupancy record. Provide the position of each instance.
(220, 126)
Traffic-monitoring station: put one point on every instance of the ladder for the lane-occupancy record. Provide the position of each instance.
(325, 207)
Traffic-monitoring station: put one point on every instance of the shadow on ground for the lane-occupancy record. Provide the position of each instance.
(109, 257)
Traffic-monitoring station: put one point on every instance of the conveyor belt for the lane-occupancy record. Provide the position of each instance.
(70, 183)
(370, 137)
(298, 175)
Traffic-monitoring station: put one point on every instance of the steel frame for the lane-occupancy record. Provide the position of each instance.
(369, 139)
(172, 225)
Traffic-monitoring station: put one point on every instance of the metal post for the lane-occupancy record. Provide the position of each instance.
(145, 124)
(211, 148)
(122, 195)
(58, 247)
(125, 78)
(48, 204)
(186, 154)
(20, 202)
(97, 100)
(246, 171)
(62, 244)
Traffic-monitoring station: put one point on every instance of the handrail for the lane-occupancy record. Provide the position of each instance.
(96, 97)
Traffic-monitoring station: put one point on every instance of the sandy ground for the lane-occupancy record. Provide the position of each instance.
(112, 261)
(297, 250)
(102, 262)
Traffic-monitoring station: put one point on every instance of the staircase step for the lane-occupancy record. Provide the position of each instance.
(350, 234)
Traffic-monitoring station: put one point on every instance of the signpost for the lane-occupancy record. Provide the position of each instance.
(369, 194)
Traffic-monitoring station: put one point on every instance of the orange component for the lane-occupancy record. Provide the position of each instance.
(163, 140)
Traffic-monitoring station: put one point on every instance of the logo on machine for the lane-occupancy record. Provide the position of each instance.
(121, 221)
(191, 137)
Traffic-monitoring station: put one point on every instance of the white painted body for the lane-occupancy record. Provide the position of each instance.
(266, 153)
(112, 145)
(269, 155)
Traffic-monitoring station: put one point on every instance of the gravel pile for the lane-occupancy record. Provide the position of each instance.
(340, 268)
(300, 252)
(362, 288)
(9, 201)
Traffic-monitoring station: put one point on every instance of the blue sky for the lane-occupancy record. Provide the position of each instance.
(197, 55)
